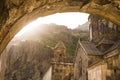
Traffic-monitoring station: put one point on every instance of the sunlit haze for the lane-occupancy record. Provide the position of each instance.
(71, 20)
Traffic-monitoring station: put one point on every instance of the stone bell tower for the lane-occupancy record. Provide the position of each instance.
(60, 52)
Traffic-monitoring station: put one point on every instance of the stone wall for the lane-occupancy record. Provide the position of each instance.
(95, 74)
(113, 65)
(62, 71)
(97, 71)
(81, 64)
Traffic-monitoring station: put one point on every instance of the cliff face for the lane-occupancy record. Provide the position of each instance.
(101, 28)
(26, 60)
(84, 27)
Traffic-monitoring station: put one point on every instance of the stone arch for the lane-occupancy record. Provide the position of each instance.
(21, 12)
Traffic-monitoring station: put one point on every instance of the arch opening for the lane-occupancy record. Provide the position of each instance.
(29, 11)
(14, 52)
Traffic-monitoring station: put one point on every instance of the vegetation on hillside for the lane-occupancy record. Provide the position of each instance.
(51, 34)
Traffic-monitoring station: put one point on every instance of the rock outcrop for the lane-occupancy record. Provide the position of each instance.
(84, 27)
(102, 28)
(26, 60)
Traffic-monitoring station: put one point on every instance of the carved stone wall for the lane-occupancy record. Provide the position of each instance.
(62, 71)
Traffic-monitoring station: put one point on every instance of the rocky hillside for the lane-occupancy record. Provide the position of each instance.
(84, 27)
(26, 60)
(50, 34)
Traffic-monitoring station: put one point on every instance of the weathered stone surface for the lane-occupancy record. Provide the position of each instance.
(25, 60)
(102, 28)
(16, 14)
(100, 61)
(61, 70)
(102, 2)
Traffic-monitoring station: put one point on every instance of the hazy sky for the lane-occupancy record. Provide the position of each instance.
(71, 20)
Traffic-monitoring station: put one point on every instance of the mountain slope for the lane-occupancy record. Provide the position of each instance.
(84, 27)
(50, 34)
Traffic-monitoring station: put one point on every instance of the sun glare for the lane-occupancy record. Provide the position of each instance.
(71, 20)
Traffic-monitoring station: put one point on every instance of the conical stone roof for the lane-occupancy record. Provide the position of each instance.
(60, 44)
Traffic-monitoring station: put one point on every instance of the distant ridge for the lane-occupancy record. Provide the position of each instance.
(84, 27)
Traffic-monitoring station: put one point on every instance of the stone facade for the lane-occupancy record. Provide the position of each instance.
(60, 52)
(97, 72)
(106, 69)
(60, 69)
(98, 59)
(86, 54)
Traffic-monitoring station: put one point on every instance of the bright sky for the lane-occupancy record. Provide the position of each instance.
(71, 20)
